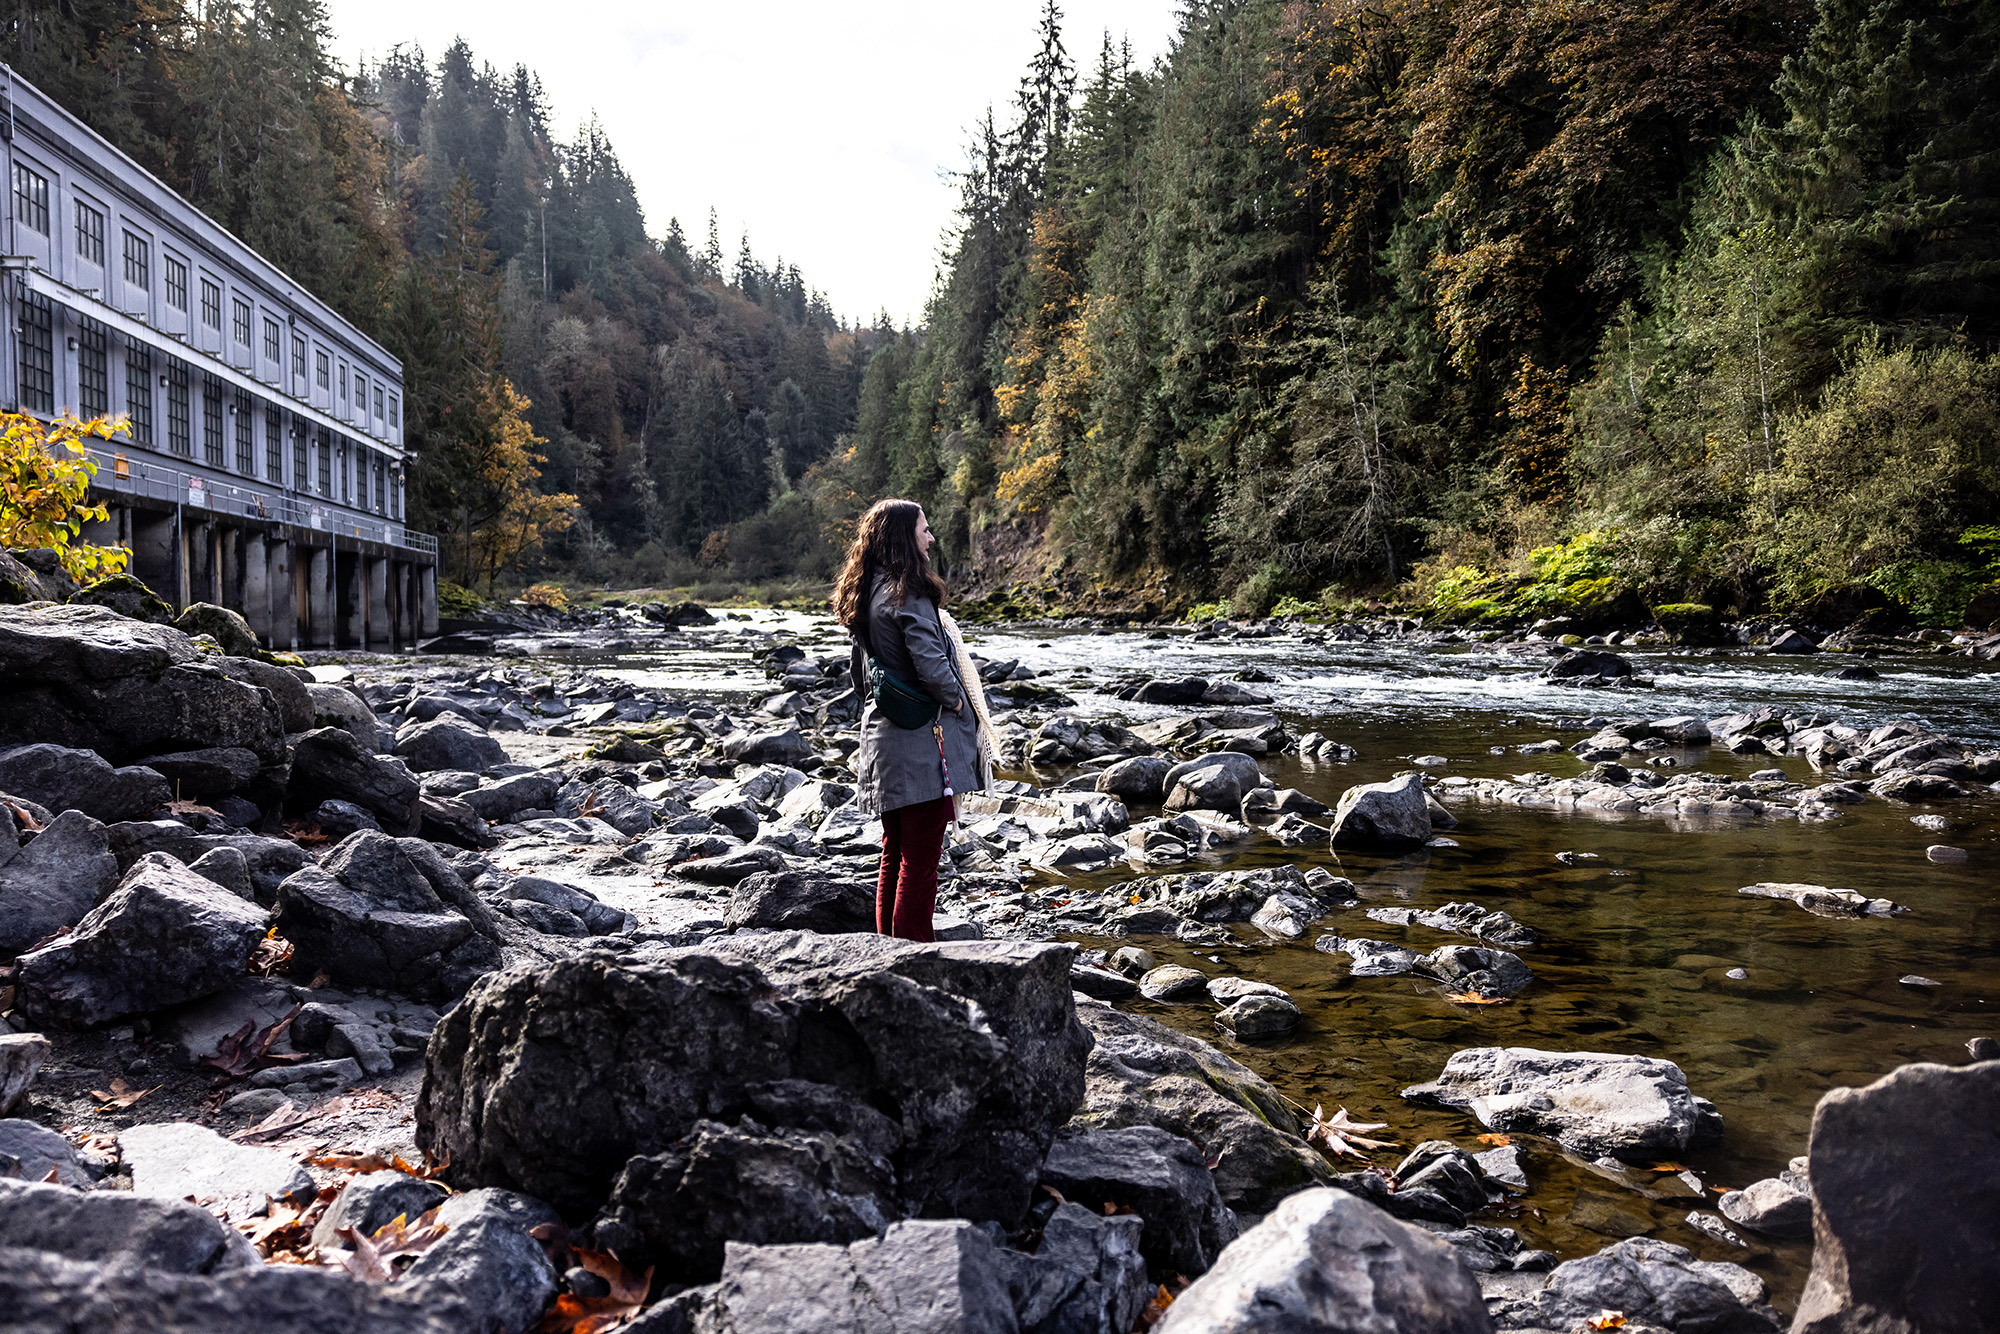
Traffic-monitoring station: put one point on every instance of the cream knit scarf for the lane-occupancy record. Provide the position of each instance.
(968, 674)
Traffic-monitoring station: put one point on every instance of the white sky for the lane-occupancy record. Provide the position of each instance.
(822, 128)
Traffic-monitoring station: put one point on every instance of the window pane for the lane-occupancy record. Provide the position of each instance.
(138, 262)
(178, 438)
(93, 370)
(38, 353)
(89, 234)
(139, 393)
(239, 319)
(177, 284)
(298, 357)
(211, 304)
(31, 199)
(274, 445)
(271, 352)
(246, 447)
(211, 421)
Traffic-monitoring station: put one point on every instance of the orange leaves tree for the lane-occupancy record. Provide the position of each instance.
(45, 472)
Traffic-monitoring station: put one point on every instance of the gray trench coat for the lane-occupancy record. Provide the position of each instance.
(899, 766)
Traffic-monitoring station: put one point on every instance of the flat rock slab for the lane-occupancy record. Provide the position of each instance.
(1824, 902)
(1634, 1108)
(21, 1057)
(172, 1160)
(35, 1151)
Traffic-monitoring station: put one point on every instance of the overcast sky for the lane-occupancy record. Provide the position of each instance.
(824, 129)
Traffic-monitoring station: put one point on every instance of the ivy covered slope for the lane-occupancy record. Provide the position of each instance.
(1512, 308)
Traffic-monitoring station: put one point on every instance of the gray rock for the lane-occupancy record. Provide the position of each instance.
(486, 1259)
(1821, 901)
(1634, 1108)
(1773, 1207)
(118, 1227)
(172, 1160)
(81, 780)
(1588, 662)
(1324, 1260)
(1228, 990)
(450, 741)
(1183, 690)
(598, 918)
(802, 901)
(733, 867)
(211, 772)
(1156, 1173)
(1477, 969)
(55, 881)
(164, 936)
(1906, 1194)
(1141, 778)
(1261, 1017)
(313, 1076)
(371, 1201)
(784, 746)
(1503, 1166)
(1392, 814)
(1102, 983)
(294, 701)
(449, 820)
(1172, 982)
(270, 859)
(21, 1057)
(31, 1152)
(225, 627)
(339, 706)
(1142, 1073)
(1213, 782)
(502, 800)
(1650, 1281)
(329, 762)
(227, 867)
(551, 1079)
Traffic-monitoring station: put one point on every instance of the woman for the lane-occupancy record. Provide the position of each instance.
(907, 662)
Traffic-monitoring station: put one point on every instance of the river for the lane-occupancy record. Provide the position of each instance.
(1644, 948)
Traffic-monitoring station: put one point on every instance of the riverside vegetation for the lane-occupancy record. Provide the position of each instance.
(492, 989)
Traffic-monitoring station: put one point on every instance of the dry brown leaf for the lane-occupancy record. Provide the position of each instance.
(1607, 1319)
(1163, 1297)
(374, 1258)
(1497, 1140)
(248, 1049)
(1339, 1133)
(1668, 1167)
(305, 834)
(122, 1095)
(358, 1163)
(289, 1117)
(29, 824)
(1473, 998)
(272, 955)
(591, 1315)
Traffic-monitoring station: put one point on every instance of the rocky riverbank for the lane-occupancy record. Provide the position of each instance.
(477, 997)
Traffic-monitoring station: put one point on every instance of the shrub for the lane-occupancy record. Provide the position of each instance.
(546, 595)
(45, 472)
(456, 600)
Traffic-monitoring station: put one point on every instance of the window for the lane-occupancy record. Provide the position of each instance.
(299, 465)
(31, 199)
(178, 438)
(89, 234)
(211, 304)
(211, 421)
(346, 494)
(246, 445)
(271, 346)
(361, 478)
(298, 357)
(378, 402)
(239, 320)
(395, 414)
(343, 382)
(325, 463)
(274, 445)
(322, 371)
(138, 262)
(177, 284)
(139, 393)
(38, 353)
(361, 398)
(93, 369)
(381, 487)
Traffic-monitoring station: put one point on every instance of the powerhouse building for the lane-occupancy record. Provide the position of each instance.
(263, 464)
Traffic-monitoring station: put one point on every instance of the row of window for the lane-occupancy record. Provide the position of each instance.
(230, 419)
(368, 400)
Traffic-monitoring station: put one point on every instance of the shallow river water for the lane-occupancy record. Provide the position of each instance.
(1636, 945)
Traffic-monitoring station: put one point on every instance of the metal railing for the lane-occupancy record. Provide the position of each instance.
(122, 474)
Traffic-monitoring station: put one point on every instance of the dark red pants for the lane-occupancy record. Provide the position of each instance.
(906, 889)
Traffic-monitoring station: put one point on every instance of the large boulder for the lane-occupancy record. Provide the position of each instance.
(1142, 1073)
(82, 780)
(1655, 1283)
(389, 913)
(124, 594)
(1140, 778)
(489, 1260)
(785, 745)
(214, 771)
(328, 762)
(224, 626)
(21, 1057)
(53, 881)
(174, 1160)
(802, 901)
(1215, 782)
(552, 1080)
(1157, 1175)
(1325, 1260)
(118, 1227)
(336, 705)
(1395, 814)
(268, 860)
(502, 800)
(1588, 662)
(449, 741)
(164, 936)
(1634, 1108)
(294, 702)
(1906, 1203)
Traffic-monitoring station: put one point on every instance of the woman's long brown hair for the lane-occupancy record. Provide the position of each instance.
(885, 543)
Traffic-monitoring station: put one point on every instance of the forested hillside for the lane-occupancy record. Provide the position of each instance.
(1656, 301)
(581, 392)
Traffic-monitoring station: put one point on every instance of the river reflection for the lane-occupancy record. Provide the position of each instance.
(1646, 948)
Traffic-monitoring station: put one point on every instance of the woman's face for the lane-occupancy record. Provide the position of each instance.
(924, 535)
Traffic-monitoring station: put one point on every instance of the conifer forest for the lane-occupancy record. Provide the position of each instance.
(1483, 308)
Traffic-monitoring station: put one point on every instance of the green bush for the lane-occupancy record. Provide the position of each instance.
(458, 601)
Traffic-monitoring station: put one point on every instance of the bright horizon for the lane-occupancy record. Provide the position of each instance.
(827, 133)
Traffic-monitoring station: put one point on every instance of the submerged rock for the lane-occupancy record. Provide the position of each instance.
(1634, 1108)
(1651, 1281)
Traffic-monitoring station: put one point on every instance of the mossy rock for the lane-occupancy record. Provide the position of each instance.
(224, 626)
(125, 595)
(624, 750)
(18, 583)
(1689, 622)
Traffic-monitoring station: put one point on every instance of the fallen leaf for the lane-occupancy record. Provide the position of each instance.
(1607, 1320)
(1668, 1167)
(359, 1163)
(374, 1258)
(122, 1095)
(54, 1178)
(1496, 1139)
(305, 834)
(590, 1315)
(1474, 998)
(1113, 1210)
(1055, 1194)
(1722, 1190)
(1134, 899)
(1339, 1134)
(272, 955)
(1156, 1309)
(29, 824)
(248, 1049)
(179, 807)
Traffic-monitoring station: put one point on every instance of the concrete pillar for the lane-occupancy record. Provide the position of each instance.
(427, 601)
(351, 601)
(229, 568)
(381, 630)
(256, 586)
(183, 575)
(283, 607)
(319, 599)
(212, 586)
(154, 561)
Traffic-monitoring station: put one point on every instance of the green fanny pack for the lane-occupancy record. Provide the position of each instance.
(900, 702)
